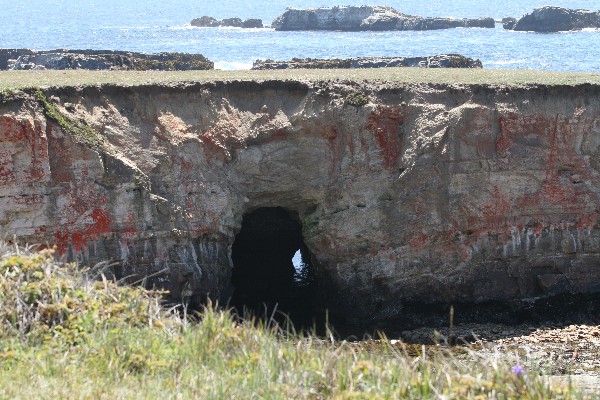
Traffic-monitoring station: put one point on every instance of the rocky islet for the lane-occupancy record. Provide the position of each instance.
(368, 18)
(437, 61)
(210, 22)
(27, 59)
(61, 59)
(554, 19)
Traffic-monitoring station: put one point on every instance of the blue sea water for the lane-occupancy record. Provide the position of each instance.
(162, 25)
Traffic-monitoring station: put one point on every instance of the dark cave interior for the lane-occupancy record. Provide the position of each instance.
(273, 269)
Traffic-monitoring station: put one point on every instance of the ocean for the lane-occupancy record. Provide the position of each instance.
(160, 25)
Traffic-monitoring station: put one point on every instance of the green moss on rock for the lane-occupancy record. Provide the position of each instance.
(79, 130)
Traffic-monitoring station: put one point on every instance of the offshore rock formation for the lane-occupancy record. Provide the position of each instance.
(556, 19)
(368, 18)
(509, 22)
(26, 59)
(210, 22)
(437, 61)
(420, 193)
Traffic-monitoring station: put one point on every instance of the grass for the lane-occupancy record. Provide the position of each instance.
(10, 80)
(66, 335)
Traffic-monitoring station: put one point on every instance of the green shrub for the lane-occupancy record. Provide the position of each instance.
(357, 98)
(43, 299)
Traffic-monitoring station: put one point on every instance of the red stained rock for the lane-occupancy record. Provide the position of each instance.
(385, 124)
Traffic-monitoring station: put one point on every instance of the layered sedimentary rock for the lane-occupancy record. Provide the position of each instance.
(368, 18)
(555, 19)
(26, 59)
(210, 22)
(437, 61)
(425, 193)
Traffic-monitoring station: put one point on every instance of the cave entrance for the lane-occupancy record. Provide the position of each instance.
(272, 267)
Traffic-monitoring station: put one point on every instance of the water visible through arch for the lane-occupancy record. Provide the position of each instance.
(273, 267)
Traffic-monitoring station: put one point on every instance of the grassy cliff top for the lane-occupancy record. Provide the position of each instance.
(19, 79)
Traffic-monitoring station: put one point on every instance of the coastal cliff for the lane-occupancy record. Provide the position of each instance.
(404, 193)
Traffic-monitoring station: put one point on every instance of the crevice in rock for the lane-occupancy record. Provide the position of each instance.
(273, 268)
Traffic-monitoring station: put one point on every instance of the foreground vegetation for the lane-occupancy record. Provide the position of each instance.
(10, 80)
(66, 335)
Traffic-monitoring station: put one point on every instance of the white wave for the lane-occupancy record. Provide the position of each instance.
(232, 65)
(505, 62)
(139, 28)
(237, 28)
(229, 28)
(186, 27)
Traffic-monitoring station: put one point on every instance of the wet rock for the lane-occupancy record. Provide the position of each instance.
(437, 61)
(210, 22)
(24, 59)
(368, 18)
(555, 19)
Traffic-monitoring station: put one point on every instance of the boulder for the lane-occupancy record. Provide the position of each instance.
(437, 61)
(205, 22)
(556, 19)
(367, 18)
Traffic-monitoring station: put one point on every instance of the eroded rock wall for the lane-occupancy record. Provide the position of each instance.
(426, 193)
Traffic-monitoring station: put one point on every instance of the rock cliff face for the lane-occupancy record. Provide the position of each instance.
(555, 19)
(368, 18)
(425, 193)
